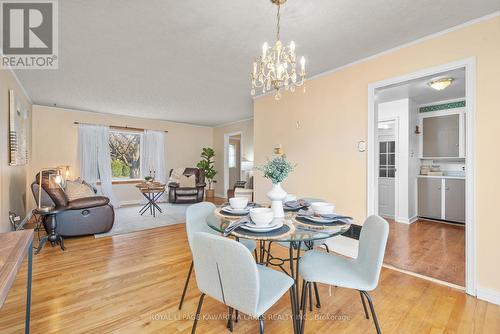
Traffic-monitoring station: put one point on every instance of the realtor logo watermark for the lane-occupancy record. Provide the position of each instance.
(29, 34)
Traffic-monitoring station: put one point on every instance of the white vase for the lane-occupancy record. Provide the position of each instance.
(277, 195)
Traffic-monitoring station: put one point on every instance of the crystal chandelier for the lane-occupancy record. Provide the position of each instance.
(276, 68)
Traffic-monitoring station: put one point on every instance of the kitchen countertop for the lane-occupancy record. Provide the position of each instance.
(442, 177)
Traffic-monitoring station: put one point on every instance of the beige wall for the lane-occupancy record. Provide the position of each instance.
(247, 144)
(13, 185)
(55, 141)
(333, 117)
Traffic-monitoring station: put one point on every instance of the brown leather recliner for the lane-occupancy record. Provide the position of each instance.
(89, 215)
(177, 194)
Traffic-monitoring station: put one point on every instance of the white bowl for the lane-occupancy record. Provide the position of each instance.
(238, 203)
(261, 216)
(321, 208)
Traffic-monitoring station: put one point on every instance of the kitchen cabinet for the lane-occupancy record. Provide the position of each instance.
(441, 198)
(455, 200)
(429, 198)
(441, 136)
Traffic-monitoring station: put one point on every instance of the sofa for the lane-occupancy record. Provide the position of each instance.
(83, 216)
(178, 194)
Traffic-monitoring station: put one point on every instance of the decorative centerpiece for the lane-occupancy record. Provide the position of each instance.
(207, 165)
(277, 171)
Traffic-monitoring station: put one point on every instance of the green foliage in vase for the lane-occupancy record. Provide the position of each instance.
(276, 169)
(207, 165)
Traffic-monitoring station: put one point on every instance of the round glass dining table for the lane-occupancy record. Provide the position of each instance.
(301, 238)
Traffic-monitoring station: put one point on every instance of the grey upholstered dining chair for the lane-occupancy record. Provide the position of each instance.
(226, 271)
(361, 274)
(196, 216)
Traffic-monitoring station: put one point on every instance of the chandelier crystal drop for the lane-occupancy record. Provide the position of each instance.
(276, 68)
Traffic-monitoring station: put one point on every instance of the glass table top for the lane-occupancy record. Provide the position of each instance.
(301, 233)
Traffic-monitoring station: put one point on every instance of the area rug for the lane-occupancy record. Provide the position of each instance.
(128, 219)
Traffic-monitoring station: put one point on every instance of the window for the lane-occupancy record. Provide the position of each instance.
(125, 150)
(387, 159)
(231, 150)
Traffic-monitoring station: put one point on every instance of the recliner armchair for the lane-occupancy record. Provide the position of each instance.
(178, 194)
(84, 216)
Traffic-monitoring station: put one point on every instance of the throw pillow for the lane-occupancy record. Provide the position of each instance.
(187, 181)
(75, 190)
(176, 175)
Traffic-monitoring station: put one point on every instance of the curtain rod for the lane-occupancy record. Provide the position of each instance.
(122, 127)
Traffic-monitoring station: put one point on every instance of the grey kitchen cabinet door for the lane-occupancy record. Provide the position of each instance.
(455, 200)
(429, 198)
(441, 136)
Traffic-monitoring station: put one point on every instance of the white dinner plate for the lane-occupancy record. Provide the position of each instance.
(229, 209)
(316, 219)
(254, 228)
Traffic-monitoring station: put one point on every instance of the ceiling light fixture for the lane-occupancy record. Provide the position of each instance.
(440, 84)
(276, 68)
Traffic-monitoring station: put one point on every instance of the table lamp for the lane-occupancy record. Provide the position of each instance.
(59, 179)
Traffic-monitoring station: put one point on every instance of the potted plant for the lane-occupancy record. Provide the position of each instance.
(207, 165)
(277, 171)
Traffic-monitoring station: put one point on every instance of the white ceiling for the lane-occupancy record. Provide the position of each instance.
(189, 61)
(420, 92)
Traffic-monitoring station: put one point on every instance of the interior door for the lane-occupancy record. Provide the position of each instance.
(386, 180)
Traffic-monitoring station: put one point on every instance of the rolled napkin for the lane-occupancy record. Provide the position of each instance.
(235, 224)
(310, 213)
(297, 204)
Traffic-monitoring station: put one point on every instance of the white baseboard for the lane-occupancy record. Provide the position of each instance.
(407, 220)
(488, 295)
(220, 195)
(134, 202)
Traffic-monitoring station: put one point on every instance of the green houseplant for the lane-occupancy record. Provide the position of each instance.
(207, 165)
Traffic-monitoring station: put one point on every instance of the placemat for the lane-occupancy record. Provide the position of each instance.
(279, 233)
(219, 213)
(311, 224)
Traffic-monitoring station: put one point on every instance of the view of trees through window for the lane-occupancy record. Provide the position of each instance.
(125, 150)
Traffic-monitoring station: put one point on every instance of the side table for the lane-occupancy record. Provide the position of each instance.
(50, 224)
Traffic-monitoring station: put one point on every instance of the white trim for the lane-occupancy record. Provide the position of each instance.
(406, 220)
(131, 202)
(491, 296)
(402, 46)
(470, 83)
(427, 278)
(17, 80)
(235, 122)
(441, 102)
(226, 145)
(219, 195)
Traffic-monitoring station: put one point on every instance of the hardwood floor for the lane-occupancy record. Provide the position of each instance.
(428, 248)
(132, 284)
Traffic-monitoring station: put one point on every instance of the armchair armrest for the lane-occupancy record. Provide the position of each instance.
(88, 202)
(173, 185)
(201, 185)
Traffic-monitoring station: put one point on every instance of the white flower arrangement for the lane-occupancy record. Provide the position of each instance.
(277, 169)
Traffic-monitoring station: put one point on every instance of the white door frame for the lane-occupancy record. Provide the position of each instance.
(470, 202)
(226, 161)
(396, 162)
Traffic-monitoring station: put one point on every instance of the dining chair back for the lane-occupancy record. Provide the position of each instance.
(196, 216)
(372, 243)
(226, 271)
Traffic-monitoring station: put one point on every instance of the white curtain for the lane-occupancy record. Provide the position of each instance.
(153, 155)
(95, 158)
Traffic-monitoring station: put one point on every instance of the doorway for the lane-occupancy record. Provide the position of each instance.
(232, 159)
(450, 173)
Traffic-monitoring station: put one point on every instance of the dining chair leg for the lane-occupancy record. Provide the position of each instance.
(230, 319)
(186, 285)
(256, 256)
(364, 305)
(236, 316)
(197, 315)
(302, 300)
(316, 293)
(372, 310)
(305, 291)
(261, 323)
(326, 247)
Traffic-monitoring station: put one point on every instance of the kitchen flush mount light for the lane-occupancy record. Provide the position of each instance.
(440, 84)
(276, 67)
